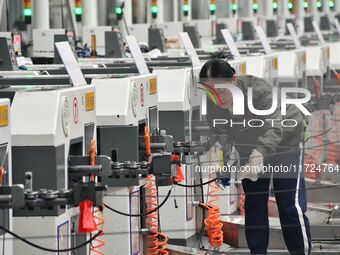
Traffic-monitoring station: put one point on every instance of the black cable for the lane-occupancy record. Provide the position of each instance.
(125, 24)
(317, 135)
(196, 185)
(142, 214)
(3, 235)
(262, 192)
(7, 15)
(48, 249)
(274, 153)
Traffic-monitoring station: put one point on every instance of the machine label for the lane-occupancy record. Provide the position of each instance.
(276, 63)
(3, 115)
(89, 101)
(304, 58)
(142, 95)
(328, 53)
(153, 86)
(75, 111)
(244, 69)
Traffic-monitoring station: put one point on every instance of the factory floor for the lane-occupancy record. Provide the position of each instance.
(317, 249)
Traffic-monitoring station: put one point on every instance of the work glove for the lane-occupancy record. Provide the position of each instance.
(222, 181)
(253, 167)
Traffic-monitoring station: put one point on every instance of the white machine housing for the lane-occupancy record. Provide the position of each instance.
(50, 118)
(99, 32)
(176, 88)
(317, 60)
(43, 42)
(125, 101)
(140, 31)
(292, 64)
(334, 58)
(263, 66)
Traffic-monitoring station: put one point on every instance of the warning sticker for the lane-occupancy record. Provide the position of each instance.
(3, 115)
(153, 86)
(89, 101)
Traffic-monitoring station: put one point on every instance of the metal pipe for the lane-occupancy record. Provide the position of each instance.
(102, 10)
(41, 14)
(90, 13)
(299, 14)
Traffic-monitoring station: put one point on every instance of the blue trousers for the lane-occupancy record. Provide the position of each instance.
(291, 200)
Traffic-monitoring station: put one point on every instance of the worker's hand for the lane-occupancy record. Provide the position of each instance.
(254, 166)
(222, 181)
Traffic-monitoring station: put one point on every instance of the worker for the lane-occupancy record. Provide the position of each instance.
(267, 145)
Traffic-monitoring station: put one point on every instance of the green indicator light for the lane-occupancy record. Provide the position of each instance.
(318, 4)
(119, 10)
(331, 4)
(28, 12)
(78, 11)
(305, 5)
(154, 9)
(212, 7)
(255, 6)
(290, 5)
(186, 8)
(234, 7)
(275, 5)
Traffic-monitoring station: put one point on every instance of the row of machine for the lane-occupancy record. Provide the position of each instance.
(102, 160)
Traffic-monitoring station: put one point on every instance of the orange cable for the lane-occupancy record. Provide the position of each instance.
(153, 244)
(213, 222)
(97, 214)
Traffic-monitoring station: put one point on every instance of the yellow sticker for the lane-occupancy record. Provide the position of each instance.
(90, 101)
(304, 58)
(153, 86)
(244, 69)
(328, 53)
(3, 115)
(276, 63)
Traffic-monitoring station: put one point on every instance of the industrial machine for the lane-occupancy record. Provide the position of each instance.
(95, 37)
(61, 125)
(7, 56)
(135, 146)
(126, 106)
(6, 171)
(182, 107)
(43, 42)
